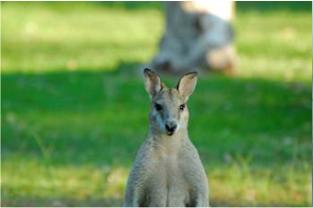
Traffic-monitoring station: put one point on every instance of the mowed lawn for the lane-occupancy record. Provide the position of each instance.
(74, 109)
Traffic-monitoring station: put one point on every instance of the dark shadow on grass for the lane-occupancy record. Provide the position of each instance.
(254, 6)
(79, 114)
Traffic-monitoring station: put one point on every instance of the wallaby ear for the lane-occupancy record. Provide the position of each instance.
(152, 82)
(187, 84)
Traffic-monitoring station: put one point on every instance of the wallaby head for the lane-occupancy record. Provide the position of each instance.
(169, 113)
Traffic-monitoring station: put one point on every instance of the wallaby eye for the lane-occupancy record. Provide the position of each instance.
(182, 107)
(158, 107)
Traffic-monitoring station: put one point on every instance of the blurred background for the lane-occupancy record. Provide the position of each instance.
(74, 108)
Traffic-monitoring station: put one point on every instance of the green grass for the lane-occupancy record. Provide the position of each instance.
(74, 110)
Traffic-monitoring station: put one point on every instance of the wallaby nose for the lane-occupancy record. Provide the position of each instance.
(170, 127)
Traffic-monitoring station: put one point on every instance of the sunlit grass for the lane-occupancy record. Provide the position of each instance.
(74, 113)
(232, 184)
(90, 37)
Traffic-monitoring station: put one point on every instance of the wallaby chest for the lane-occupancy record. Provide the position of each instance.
(167, 160)
(167, 181)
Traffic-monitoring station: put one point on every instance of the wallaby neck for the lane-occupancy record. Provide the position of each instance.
(168, 143)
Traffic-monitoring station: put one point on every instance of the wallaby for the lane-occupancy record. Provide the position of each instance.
(167, 170)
